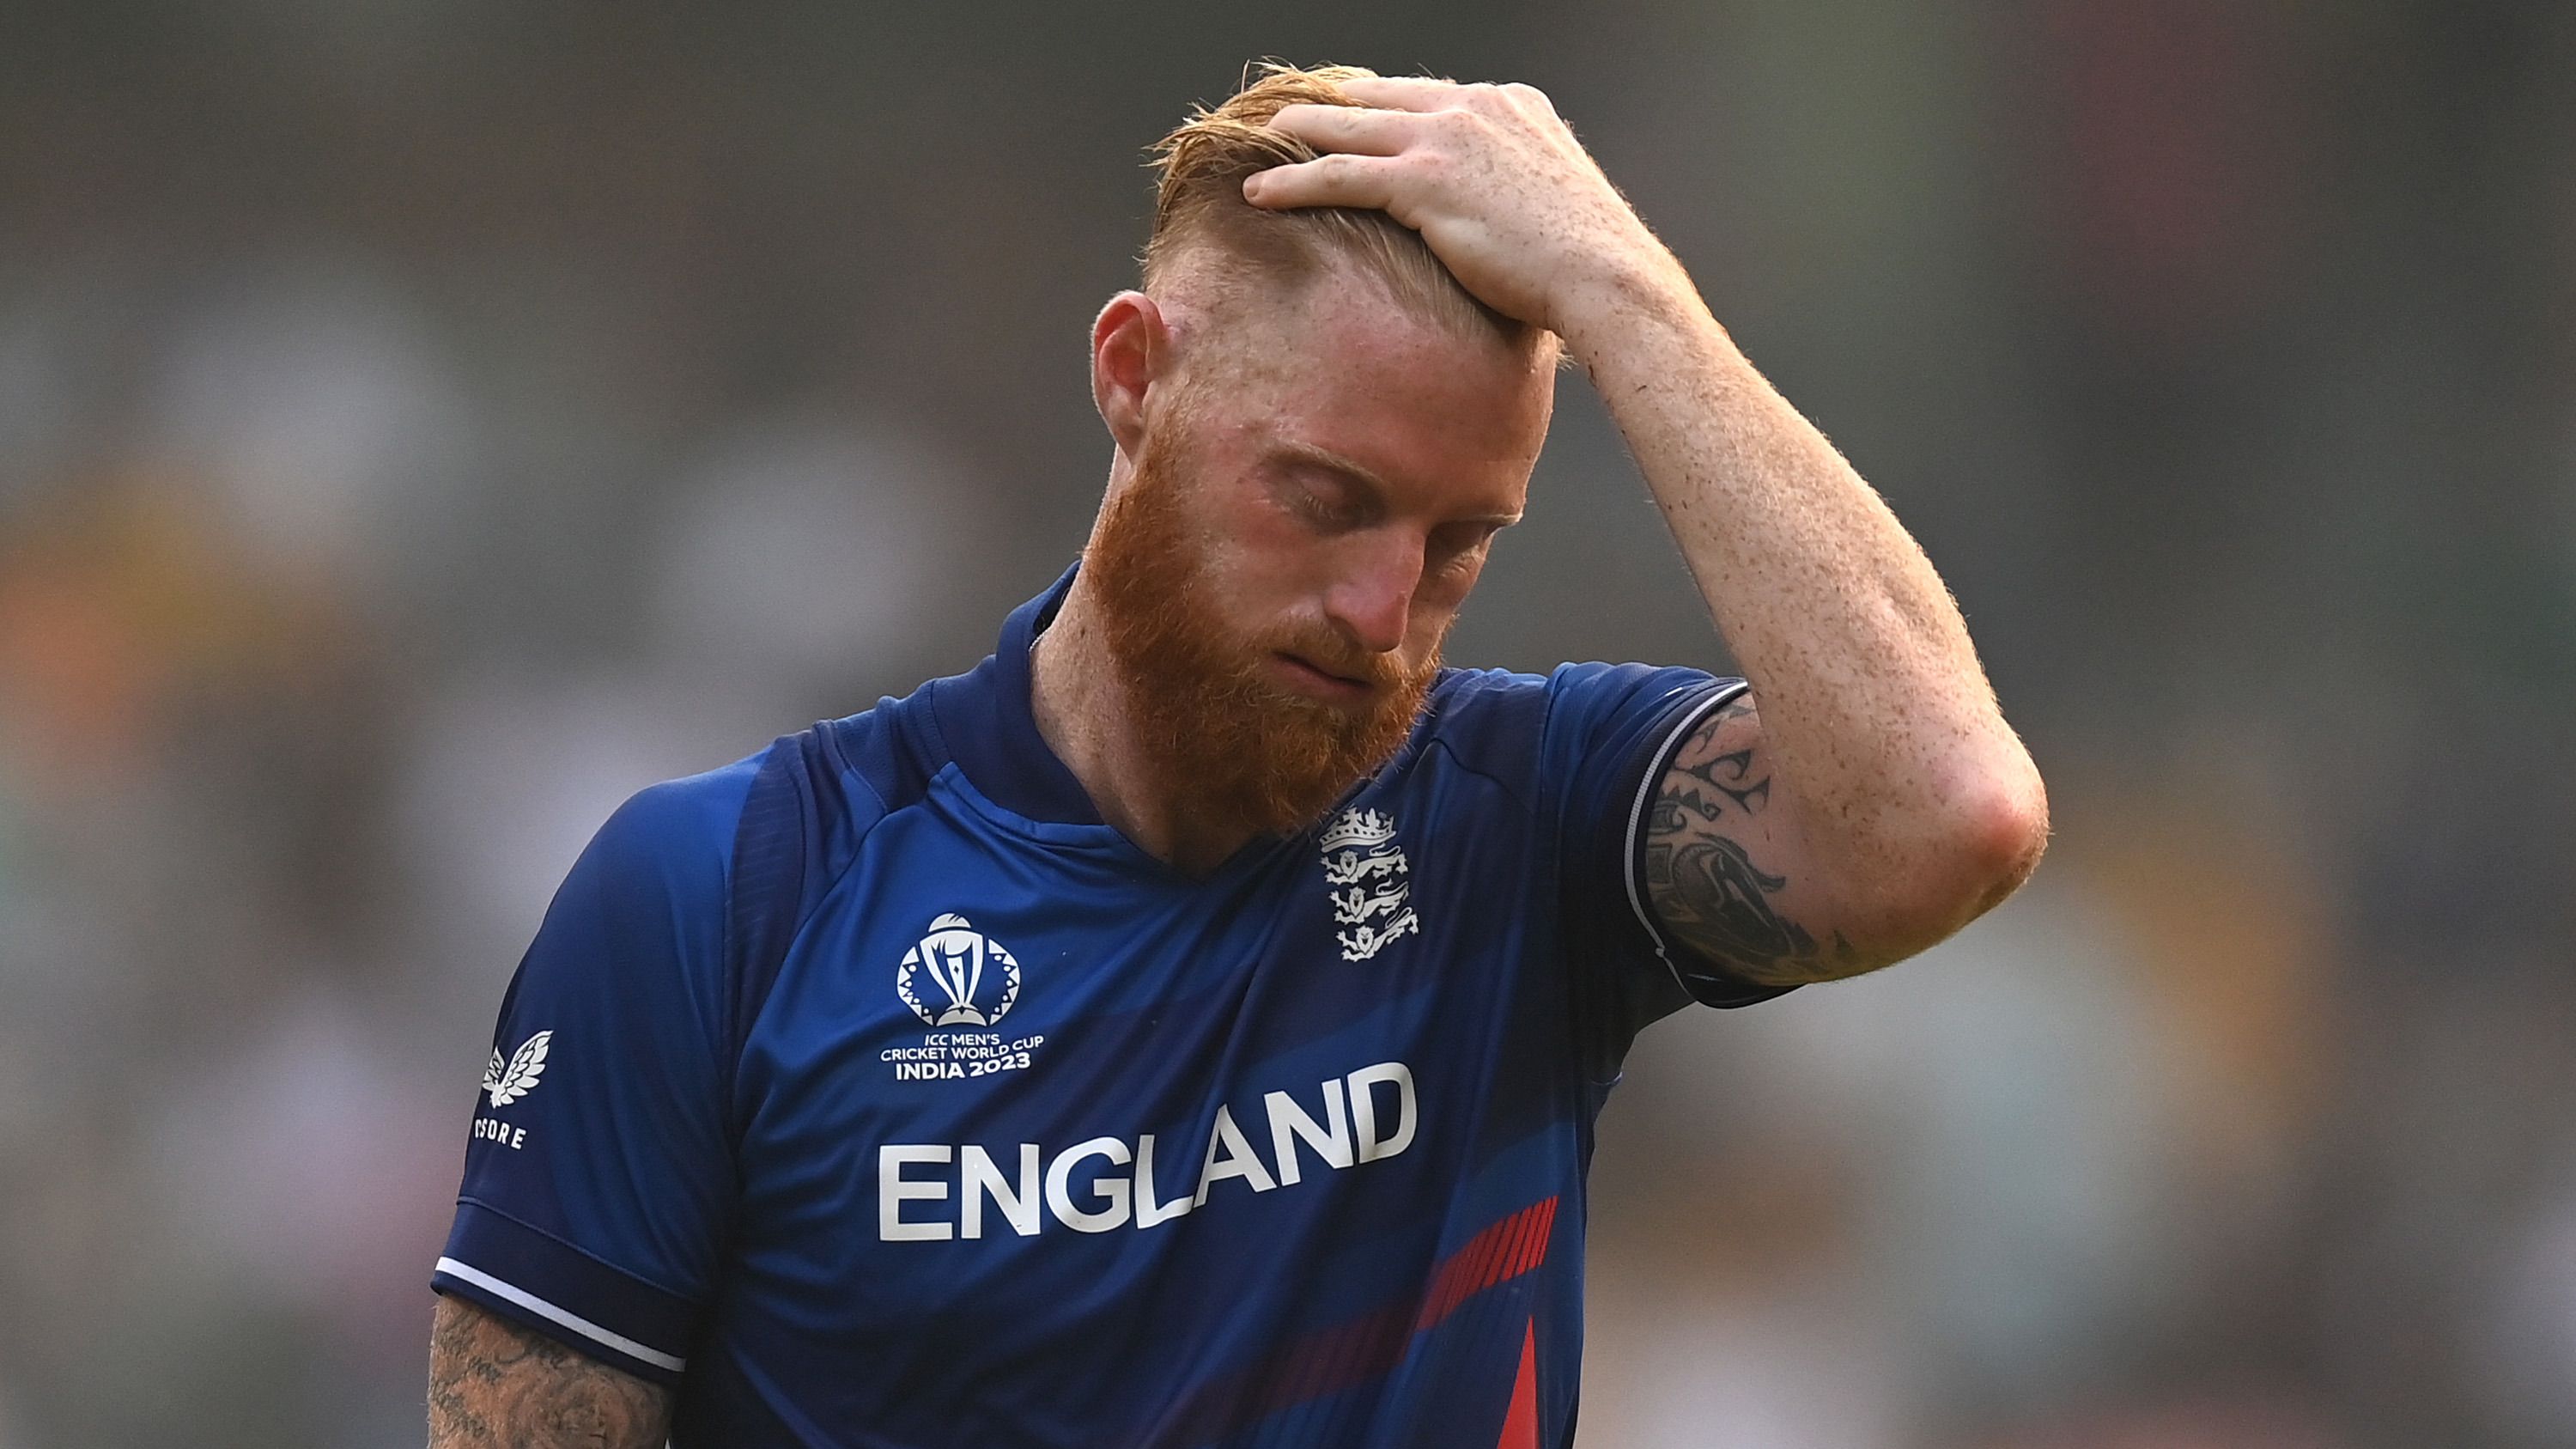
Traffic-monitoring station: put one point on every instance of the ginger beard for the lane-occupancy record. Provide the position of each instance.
(1229, 740)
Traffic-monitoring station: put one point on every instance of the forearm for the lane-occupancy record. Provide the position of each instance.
(1892, 803)
(1872, 700)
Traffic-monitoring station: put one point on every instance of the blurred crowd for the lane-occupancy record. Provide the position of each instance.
(422, 425)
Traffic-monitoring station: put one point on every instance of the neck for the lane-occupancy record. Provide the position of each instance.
(1085, 716)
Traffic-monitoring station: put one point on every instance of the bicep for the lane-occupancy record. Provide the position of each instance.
(495, 1383)
(1727, 871)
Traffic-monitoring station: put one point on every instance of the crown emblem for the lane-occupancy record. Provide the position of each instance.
(1367, 883)
(1358, 830)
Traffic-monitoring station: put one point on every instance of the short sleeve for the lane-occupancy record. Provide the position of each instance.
(598, 1169)
(1612, 730)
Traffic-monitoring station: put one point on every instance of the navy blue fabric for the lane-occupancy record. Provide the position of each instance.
(1630, 728)
(500, 1246)
(951, 1116)
(766, 893)
(617, 1148)
(985, 721)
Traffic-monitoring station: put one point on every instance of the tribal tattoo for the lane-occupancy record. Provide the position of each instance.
(1706, 888)
(493, 1383)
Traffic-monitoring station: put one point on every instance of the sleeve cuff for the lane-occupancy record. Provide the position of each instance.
(1703, 982)
(556, 1289)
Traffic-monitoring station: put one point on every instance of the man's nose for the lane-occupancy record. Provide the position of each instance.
(1373, 600)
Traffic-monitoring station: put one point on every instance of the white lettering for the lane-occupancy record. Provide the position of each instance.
(1148, 1211)
(893, 1191)
(1358, 1126)
(1019, 1209)
(1288, 1122)
(1230, 1154)
(1364, 1110)
(491, 1130)
(1059, 1181)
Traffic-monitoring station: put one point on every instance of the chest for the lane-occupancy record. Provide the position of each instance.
(965, 1010)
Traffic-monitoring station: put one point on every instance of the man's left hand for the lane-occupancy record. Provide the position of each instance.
(1498, 186)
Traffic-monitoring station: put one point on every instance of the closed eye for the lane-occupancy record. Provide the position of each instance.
(1328, 512)
(1460, 544)
(1325, 499)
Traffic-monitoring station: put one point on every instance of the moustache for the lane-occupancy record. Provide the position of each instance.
(1333, 653)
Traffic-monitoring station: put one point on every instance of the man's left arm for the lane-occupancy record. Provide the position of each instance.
(1867, 798)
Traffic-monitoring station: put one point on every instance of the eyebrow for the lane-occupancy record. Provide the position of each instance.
(1327, 459)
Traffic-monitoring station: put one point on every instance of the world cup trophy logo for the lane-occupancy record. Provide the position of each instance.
(958, 976)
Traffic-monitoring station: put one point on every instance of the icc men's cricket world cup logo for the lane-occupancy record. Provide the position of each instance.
(958, 976)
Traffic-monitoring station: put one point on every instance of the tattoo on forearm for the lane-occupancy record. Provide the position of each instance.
(493, 1383)
(1708, 891)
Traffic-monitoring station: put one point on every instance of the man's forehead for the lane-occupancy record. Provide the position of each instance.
(1230, 300)
(1343, 310)
(1409, 419)
(1343, 341)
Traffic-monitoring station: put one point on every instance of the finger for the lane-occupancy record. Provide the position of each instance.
(1348, 128)
(1334, 179)
(1404, 92)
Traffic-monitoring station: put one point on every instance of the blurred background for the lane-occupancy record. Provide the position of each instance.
(422, 424)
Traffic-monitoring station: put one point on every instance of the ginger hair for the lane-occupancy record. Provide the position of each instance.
(1199, 206)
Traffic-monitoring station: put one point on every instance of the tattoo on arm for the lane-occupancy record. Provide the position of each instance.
(1706, 888)
(493, 1383)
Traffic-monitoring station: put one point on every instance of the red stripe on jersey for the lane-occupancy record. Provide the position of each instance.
(1520, 1421)
(1356, 1350)
(1543, 1219)
(1502, 1252)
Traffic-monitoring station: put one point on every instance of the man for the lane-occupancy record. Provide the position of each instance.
(1186, 1027)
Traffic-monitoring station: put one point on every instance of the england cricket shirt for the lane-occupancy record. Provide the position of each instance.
(872, 1092)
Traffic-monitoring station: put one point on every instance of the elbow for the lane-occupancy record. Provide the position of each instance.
(2002, 830)
(1984, 839)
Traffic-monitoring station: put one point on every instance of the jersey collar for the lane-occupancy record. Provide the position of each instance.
(991, 730)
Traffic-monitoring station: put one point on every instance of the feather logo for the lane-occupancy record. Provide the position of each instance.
(509, 1082)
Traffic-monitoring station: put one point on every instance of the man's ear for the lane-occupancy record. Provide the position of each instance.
(1131, 352)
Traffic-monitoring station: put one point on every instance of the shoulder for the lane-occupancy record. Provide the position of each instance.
(641, 915)
(1486, 721)
(1594, 689)
(852, 772)
(812, 800)
(1471, 708)
(1522, 730)
(1580, 733)
(827, 783)
(1480, 712)
(677, 833)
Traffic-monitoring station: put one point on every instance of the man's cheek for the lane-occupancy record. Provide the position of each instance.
(1435, 608)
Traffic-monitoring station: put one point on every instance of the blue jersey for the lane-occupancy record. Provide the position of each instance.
(873, 1092)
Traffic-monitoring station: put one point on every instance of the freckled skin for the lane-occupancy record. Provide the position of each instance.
(1870, 803)
(1348, 463)
(1452, 427)
(1897, 804)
